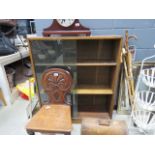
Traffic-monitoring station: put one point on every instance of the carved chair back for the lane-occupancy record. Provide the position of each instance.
(57, 84)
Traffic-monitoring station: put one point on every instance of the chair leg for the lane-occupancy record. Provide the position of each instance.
(30, 132)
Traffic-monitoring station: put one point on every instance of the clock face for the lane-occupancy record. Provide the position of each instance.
(65, 22)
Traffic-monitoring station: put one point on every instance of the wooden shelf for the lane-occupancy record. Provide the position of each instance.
(79, 64)
(93, 90)
(97, 64)
(77, 119)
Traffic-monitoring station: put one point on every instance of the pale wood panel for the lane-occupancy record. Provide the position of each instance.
(93, 91)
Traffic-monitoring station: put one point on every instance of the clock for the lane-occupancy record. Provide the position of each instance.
(66, 27)
(65, 22)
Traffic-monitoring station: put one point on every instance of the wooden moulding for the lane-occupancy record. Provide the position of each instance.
(106, 37)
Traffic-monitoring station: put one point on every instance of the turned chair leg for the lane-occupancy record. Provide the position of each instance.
(30, 132)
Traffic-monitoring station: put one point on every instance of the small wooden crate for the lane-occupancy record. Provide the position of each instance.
(96, 126)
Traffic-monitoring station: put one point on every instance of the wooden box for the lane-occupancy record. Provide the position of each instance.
(96, 126)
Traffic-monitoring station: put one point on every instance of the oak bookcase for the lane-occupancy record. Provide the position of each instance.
(95, 63)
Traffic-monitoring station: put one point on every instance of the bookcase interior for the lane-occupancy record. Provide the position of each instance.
(94, 62)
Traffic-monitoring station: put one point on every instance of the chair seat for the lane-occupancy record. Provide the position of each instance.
(53, 118)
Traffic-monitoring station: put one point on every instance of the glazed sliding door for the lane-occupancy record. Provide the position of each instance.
(52, 53)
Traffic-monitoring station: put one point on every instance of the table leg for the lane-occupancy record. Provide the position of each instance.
(5, 85)
(2, 97)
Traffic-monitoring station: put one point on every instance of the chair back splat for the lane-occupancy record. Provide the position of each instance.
(57, 83)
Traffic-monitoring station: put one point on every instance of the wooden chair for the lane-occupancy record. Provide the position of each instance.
(56, 116)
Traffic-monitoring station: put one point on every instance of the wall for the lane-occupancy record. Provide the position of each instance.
(143, 29)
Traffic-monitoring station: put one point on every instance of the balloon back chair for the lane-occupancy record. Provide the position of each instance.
(54, 117)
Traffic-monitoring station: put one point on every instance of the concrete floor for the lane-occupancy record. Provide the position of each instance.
(14, 118)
